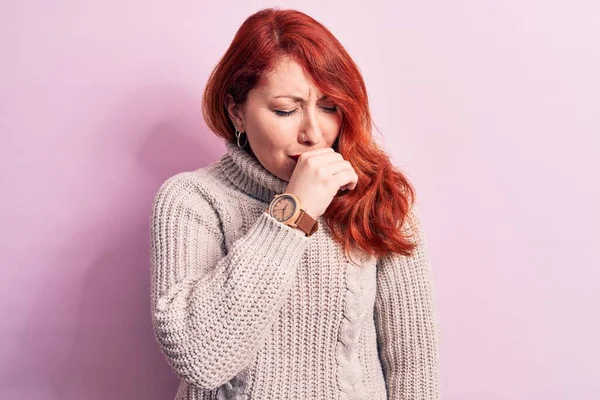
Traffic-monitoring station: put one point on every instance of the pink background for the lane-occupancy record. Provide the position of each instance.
(491, 108)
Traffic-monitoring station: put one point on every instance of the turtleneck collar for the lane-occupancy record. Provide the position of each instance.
(248, 174)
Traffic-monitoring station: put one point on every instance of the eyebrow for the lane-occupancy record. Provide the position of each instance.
(299, 99)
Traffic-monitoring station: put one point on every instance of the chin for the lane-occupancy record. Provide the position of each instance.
(286, 177)
(283, 172)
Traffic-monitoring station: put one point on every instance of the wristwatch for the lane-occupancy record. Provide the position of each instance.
(285, 208)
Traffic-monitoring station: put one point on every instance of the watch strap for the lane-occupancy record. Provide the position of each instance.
(307, 223)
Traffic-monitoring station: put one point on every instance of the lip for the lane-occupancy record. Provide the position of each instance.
(295, 157)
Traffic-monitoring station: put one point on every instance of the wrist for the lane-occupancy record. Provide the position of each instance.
(286, 208)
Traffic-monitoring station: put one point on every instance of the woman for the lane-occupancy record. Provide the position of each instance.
(294, 267)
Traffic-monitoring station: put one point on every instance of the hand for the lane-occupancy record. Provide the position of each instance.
(318, 176)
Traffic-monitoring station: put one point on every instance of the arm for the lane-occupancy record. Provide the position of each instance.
(211, 309)
(406, 322)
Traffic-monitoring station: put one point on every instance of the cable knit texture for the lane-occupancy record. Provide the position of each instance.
(245, 307)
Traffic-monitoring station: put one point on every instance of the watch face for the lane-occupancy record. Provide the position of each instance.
(283, 208)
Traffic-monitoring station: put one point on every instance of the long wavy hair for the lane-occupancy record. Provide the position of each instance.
(368, 217)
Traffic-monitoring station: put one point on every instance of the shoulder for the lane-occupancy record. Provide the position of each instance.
(200, 190)
(208, 181)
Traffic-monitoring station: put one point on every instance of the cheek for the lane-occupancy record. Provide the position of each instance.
(330, 125)
(277, 131)
(272, 132)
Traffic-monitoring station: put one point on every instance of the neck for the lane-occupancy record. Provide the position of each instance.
(244, 170)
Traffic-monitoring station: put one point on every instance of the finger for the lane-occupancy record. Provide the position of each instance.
(308, 154)
(336, 166)
(346, 178)
(321, 159)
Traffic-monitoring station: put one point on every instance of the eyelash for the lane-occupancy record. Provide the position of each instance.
(288, 113)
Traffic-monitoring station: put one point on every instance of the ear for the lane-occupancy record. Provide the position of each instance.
(235, 112)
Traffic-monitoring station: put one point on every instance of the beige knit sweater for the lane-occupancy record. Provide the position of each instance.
(245, 307)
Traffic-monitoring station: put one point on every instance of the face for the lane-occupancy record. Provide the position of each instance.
(286, 116)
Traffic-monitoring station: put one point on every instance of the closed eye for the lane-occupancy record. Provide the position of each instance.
(288, 113)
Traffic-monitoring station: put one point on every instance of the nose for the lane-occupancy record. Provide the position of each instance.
(311, 131)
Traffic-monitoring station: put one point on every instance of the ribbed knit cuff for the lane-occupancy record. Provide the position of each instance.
(275, 240)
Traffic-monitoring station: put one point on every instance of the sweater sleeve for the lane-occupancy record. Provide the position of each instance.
(211, 308)
(406, 321)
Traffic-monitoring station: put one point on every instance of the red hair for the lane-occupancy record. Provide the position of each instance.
(368, 217)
